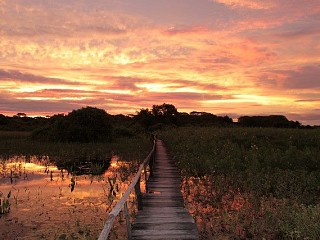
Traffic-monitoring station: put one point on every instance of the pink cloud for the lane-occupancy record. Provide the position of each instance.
(104, 52)
(23, 77)
(187, 30)
(252, 4)
(304, 77)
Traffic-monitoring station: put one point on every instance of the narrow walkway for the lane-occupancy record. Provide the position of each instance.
(163, 215)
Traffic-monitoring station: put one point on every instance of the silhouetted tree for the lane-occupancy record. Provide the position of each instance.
(165, 113)
(144, 117)
(203, 119)
(164, 110)
(87, 124)
(3, 120)
(277, 121)
(21, 114)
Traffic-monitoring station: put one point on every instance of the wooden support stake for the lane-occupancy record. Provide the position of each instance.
(138, 193)
(145, 173)
(145, 177)
(126, 213)
(151, 162)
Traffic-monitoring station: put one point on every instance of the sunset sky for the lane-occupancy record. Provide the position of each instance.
(227, 57)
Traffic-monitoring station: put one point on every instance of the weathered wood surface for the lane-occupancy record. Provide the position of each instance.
(163, 215)
(135, 184)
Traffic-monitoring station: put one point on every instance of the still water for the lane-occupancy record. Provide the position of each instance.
(47, 202)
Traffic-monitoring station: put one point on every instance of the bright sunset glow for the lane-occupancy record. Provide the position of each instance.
(227, 57)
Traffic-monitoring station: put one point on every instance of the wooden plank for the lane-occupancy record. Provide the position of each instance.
(165, 233)
(164, 226)
(170, 194)
(164, 210)
(163, 215)
(162, 197)
(162, 188)
(163, 185)
(156, 221)
(177, 219)
(180, 237)
(165, 180)
(162, 205)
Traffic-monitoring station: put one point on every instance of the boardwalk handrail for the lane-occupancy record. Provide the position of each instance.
(122, 203)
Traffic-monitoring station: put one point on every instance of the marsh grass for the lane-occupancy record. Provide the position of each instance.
(250, 182)
(14, 134)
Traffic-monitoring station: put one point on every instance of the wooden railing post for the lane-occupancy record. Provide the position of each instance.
(139, 195)
(126, 213)
(145, 173)
(122, 202)
(107, 228)
(151, 162)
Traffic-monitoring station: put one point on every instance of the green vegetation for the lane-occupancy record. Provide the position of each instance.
(250, 182)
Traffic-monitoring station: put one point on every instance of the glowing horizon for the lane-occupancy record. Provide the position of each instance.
(227, 57)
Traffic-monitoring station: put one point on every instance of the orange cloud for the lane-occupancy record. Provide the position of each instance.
(253, 4)
(218, 56)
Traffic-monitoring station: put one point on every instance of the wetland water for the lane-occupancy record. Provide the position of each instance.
(50, 203)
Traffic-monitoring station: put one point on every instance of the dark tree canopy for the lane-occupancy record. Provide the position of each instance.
(87, 124)
(165, 110)
(90, 124)
(3, 120)
(167, 114)
(277, 121)
(20, 114)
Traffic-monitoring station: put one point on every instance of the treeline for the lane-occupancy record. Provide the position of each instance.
(92, 124)
(167, 114)
(277, 121)
(21, 122)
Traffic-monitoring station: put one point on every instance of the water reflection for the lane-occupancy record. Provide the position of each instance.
(51, 202)
(81, 166)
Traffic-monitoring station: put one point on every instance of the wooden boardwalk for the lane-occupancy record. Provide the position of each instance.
(163, 215)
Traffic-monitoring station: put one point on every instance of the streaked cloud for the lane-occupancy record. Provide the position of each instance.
(303, 78)
(253, 4)
(17, 76)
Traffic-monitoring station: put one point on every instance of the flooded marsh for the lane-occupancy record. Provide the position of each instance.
(47, 202)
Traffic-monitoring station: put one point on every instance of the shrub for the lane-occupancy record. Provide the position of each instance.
(83, 125)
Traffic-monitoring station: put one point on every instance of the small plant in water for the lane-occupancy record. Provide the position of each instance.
(4, 203)
(73, 183)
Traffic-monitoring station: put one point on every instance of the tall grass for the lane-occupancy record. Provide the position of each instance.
(250, 183)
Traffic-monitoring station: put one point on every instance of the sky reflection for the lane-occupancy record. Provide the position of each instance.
(42, 204)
